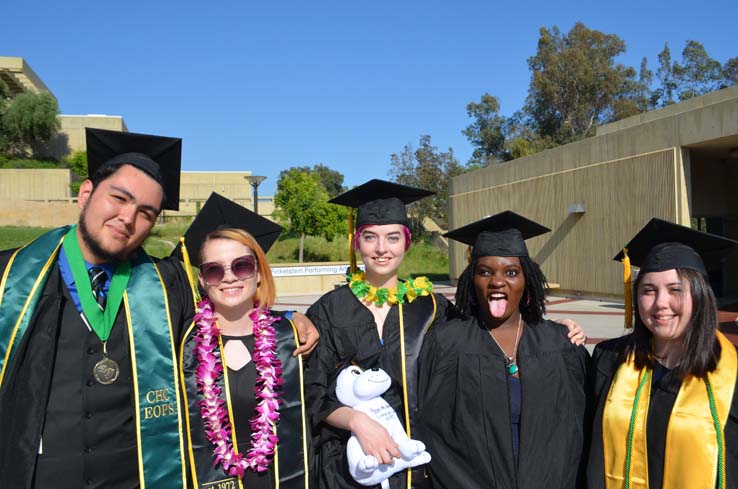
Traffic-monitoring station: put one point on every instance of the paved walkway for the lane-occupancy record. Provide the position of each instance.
(601, 320)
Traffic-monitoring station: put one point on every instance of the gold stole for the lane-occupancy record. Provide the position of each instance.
(691, 456)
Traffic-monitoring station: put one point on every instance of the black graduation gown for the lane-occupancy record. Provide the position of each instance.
(349, 335)
(465, 412)
(89, 432)
(289, 428)
(606, 359)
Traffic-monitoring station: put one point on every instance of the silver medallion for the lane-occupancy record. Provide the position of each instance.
(106, 371)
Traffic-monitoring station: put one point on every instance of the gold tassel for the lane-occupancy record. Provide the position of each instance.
(188, 270)
(352, 255)
(468, 254)
(627, 290)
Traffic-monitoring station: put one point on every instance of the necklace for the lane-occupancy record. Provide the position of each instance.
(512, 364)
(405, 291)
(106, 370)
(269, 378)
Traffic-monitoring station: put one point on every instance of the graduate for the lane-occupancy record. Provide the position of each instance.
(376, 320)
(666, 410)
(88, 327)
(503, 392)
(238, 341)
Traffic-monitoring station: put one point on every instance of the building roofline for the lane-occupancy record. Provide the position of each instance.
(20, 77)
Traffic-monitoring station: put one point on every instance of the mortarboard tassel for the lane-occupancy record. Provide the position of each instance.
(188, 270)
(352, 255)
(627, 290)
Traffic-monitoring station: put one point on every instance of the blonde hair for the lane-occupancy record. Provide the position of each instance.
(265, 289)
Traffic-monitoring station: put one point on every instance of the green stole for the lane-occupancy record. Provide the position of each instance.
(156, 391)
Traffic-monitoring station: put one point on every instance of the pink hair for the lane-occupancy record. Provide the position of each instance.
(361, 228)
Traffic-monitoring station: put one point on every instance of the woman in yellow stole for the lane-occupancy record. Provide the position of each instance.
(666, 413)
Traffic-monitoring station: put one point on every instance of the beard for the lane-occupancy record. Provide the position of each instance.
(94, 245)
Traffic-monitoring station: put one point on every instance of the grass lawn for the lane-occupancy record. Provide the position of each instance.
(421, 258)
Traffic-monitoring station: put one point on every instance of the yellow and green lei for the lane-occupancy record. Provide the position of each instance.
(405, 291)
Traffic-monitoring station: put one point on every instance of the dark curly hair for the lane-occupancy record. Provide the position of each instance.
(532, 304)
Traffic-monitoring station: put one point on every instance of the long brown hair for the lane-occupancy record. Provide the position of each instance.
(700, 347)
(265, 289)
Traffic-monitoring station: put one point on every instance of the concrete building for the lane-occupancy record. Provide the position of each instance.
(679, 163)
(19, 77)
(23, 191)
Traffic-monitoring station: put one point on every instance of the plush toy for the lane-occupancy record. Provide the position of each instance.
(361, 390)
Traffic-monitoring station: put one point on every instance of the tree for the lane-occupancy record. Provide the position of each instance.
(730, 73)
(331, 180)
(302, 201)
(77, 162)
(429, 169)
(29, 121)
(576, 83)
(666, 77)
(487, 132)
(698, 73)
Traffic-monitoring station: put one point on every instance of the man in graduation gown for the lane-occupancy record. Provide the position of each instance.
(88, 325)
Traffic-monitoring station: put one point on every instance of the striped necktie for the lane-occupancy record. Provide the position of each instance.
(98, 277)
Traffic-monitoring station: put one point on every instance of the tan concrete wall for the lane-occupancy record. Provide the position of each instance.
(711, 122)
(71, 136)
(19, 76)
(35, 184)
(675, 194)
(306, 279)
(74, 127)
(37, 214)
(619, 196)
(718, 96)
(307, 284)
(196, 186)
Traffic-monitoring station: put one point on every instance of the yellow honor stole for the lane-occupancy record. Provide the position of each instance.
(695, 438)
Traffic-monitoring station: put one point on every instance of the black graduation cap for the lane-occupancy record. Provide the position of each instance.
(503, 234)
(158, 156)
(220, 213)
(380, 202)
(662, 245)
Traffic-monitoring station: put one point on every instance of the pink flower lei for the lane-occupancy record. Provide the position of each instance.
(212, 406)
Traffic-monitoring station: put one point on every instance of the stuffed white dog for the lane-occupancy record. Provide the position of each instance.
(361, 390)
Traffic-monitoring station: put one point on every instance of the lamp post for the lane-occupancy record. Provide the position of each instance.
(255, 180)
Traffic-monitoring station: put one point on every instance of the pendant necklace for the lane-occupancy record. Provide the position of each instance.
(512, 364)
(106, 370)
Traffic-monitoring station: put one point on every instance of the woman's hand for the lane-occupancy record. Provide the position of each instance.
(576, 334)
(374, 438)
(307, 333)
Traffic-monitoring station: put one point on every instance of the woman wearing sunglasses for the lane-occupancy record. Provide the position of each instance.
(243, 387)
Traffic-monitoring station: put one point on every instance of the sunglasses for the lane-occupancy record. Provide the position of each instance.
(242, 268)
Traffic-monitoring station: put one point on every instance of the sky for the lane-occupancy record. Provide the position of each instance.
(263, 86)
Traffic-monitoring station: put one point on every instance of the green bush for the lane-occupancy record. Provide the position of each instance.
(6, 162)
(421, 259)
